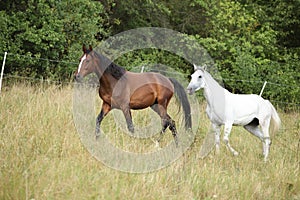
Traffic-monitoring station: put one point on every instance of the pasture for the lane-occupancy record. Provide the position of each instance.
(42, 157)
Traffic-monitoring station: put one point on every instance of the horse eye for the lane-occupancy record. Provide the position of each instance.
(200, 76)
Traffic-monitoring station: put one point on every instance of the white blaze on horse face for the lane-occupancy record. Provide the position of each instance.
(80, 64)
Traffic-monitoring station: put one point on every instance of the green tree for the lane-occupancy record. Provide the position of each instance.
(250, 40)
(52, 30)
(130, 14)
(246, 44)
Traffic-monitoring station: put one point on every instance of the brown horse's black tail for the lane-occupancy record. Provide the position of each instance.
(182, 97)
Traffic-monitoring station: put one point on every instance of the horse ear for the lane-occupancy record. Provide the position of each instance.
(84, 48)
(204, 67)
(195, 67)
(90, 47)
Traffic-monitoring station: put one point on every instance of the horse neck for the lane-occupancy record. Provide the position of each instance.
(213, 91)
(109, 74)
(97, 68)
(106, 80)
(101, 63)
(106, 67)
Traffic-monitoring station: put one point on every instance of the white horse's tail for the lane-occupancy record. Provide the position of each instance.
(275, 120)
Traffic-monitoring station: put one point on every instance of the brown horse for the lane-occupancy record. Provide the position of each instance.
(126, 90)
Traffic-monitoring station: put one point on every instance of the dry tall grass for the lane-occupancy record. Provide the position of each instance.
(42, 157)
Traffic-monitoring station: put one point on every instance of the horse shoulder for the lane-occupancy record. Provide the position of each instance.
(105, 97)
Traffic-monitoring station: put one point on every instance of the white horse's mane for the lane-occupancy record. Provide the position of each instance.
(212, 81)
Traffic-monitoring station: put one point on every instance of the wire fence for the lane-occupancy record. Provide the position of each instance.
(49, 81)
(136, 69)
(38, 58)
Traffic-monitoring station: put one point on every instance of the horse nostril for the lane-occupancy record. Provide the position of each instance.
(189, 90)
(77, 77)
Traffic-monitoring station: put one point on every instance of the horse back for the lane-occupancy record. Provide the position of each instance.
(154, 80)
(245, 107)
(142, 90)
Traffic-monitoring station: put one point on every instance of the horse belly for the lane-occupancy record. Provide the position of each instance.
(245, 109)
(142, 99)
(242, 121)
(146, 89)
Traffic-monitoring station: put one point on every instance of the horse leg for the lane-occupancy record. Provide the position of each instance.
(166, 122)
(227, 130)
(172, 128)
(127, 113)
(266, 137)
(255, 130)
(216, 129)
(104, 110)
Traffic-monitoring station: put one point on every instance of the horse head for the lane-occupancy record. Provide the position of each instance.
(197, 79)
(86, 63)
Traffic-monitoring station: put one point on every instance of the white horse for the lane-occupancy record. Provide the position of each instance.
(225, 108)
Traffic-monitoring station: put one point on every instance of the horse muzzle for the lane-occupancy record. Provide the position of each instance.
(190, 90)
(78, 77)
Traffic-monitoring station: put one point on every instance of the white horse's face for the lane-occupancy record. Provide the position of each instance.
(197, 81)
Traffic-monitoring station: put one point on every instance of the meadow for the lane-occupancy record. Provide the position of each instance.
(42, 157)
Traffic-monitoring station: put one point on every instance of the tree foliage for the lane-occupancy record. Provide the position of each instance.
(52, 30)
(246, 40)
(250, 40)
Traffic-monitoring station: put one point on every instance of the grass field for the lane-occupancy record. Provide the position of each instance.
(42, 157)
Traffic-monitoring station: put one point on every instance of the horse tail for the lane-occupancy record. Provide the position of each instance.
(275, 119)
(183, 99)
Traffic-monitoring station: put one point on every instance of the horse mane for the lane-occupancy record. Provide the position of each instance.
(110, 67)
(212, 81)
(115, 70)
(214, 85)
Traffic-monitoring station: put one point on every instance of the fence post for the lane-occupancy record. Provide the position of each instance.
(2, 71)
(262, 89)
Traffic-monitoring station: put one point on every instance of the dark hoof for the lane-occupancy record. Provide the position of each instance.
(131, 129)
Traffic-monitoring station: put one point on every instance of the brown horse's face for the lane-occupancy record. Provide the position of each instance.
(86, 65)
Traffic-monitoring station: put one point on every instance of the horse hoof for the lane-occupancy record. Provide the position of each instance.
(235, 153)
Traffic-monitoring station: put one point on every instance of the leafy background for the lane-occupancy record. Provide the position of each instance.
(250, 40)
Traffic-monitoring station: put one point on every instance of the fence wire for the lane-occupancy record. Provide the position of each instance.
(142, 68)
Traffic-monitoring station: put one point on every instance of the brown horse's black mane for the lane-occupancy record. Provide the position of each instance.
(110, 67)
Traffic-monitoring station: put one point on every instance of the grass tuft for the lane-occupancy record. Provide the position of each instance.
(42, 157)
